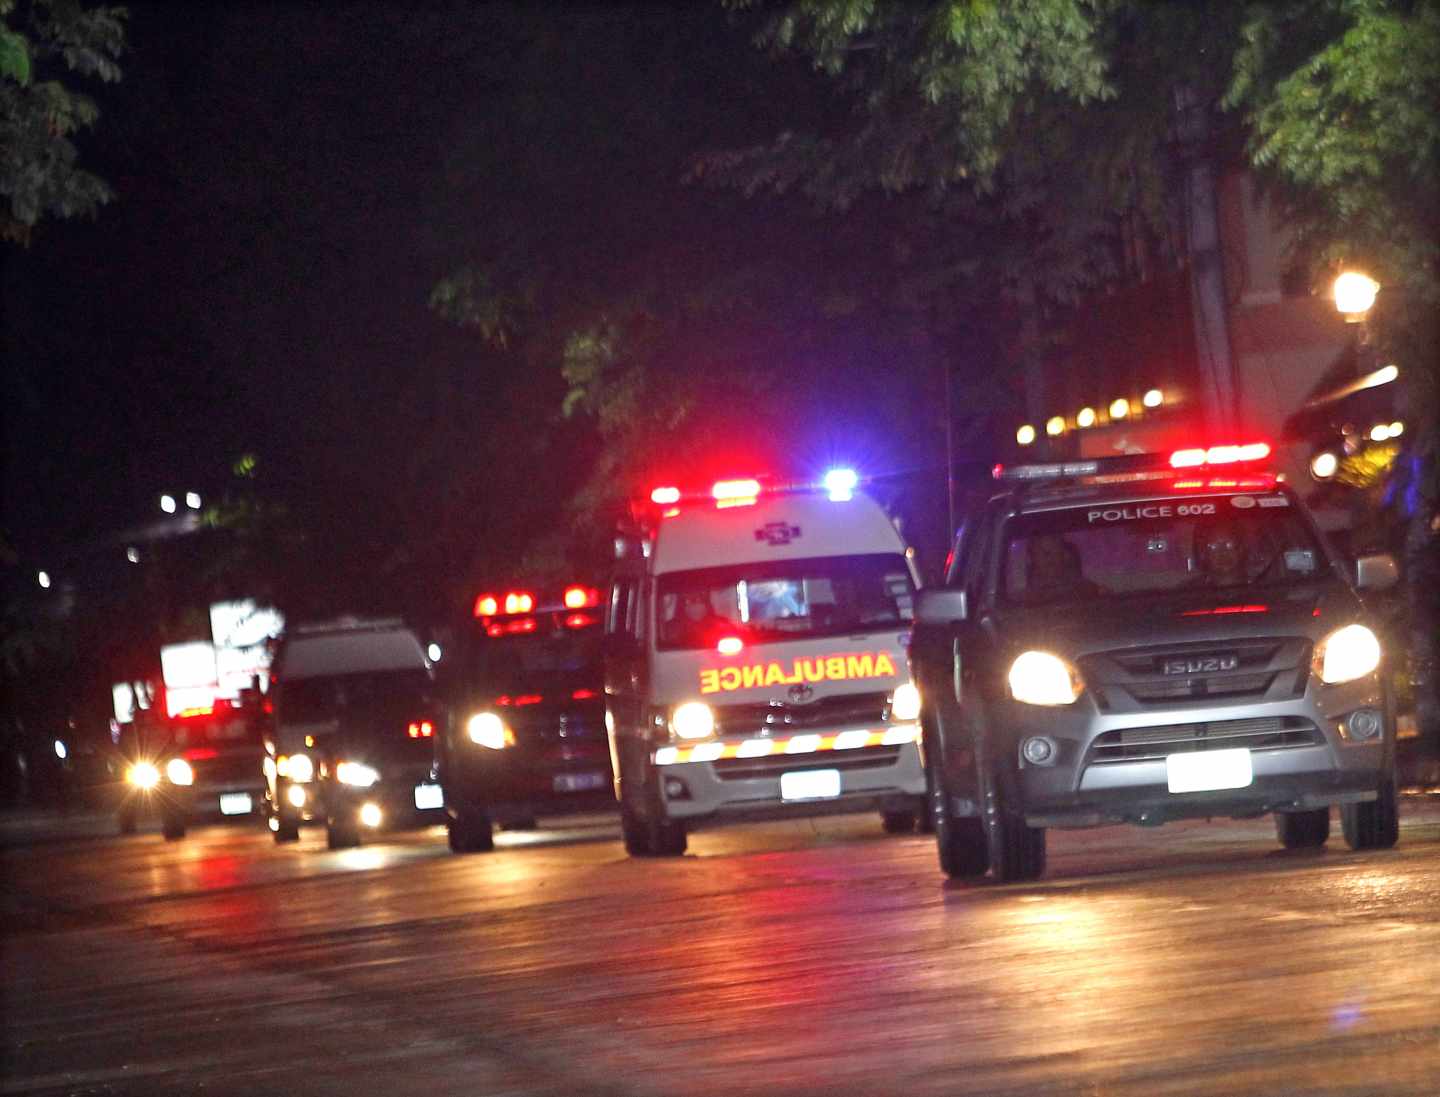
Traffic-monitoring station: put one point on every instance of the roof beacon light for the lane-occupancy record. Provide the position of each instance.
(841, 483)
(519, 602)
(1219, 455)
(486, 606)
(663, 497)
(733, 491)
(730, 645)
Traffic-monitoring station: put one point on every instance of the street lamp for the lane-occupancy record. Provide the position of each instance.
(1154, 398)
(44, 579)
(1119, 408)
(1025, 435)
(1355, 295)
(1086, 418)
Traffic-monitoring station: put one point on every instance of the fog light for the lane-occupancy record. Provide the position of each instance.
(1038, 751)
(296, 795)
(370, 815)
(1364, 723)
(676, 789)
(178, 772)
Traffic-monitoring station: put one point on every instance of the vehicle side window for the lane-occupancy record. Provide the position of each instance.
(955, 562)
(620, 617)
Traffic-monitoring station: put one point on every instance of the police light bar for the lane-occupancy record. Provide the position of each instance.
(1219, 455)
(727, 490)
(1055, 471)
(839, 484)
(664, 497)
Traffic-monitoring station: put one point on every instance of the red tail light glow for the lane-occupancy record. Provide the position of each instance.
(1219, 455)
(529, 699)
(421, 729)
(1253, 483)
(510, 628)
(200, 754)
(663, 497)
(580, 620)
(583, 695)
(487, 605)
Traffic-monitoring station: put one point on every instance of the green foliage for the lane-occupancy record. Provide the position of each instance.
(42, 41)
(1341, 96)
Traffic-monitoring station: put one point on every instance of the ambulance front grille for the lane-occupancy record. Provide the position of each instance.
(746, 769)
(828, 713)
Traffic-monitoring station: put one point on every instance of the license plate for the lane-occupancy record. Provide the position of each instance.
(1209, 770)
(235, 803)
(429, 796)
(811, 784)
(578, 782)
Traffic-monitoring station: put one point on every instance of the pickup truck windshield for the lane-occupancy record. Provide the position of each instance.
(1225, 544)
(784, 600)
(553, 651)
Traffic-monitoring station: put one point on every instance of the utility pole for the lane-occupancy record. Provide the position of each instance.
(1208, 303)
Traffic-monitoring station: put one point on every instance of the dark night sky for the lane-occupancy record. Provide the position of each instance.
(292, 179)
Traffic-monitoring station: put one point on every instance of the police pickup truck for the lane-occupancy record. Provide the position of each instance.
(1149, 638)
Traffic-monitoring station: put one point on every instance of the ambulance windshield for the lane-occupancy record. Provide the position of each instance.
(1228, 544)
(784, 600)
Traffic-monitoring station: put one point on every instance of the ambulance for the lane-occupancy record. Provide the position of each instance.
(756, 638)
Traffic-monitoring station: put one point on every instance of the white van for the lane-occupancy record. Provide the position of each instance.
(756, 661)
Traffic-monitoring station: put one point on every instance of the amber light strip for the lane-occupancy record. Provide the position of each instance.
(807, 743)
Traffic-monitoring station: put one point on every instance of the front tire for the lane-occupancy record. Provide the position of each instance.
(652, 837)
(1016, 850)
(287, 831)
(470, 832)
(1303, 829)
(341, 833)
(960, 841)
(898, 822)
(1375, 824)
(172, 827)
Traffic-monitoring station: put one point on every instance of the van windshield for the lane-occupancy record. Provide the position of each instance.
(784, 600)
(1229, 544)
(329, 697)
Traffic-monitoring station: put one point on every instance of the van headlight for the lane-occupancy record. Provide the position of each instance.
(357, 774)
(178, 772)
(297, 767)
(693, 720)
(143, 775)
(1039, 678)
(1346, 654)
(905, 704)
(485, 729)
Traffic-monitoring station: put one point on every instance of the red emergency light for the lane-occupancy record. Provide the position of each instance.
(581, 597)
(519, 601)
(421, 729)
(734, 491)
(583, 695)
(487, 605)
(730, 645)
(664, 496)
(580, 620)
(1228, 454)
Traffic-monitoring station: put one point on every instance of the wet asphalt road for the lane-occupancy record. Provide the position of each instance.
(797, 958)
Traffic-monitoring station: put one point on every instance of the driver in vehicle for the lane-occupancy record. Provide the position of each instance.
(1221, 556)
(1053, 570)
(697, 622)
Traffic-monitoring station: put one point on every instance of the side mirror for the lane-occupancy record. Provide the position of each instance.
(945, 606)
(1377, 572)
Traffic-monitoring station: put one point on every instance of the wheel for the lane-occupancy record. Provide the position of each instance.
(172, 827)
(470, 832)
(128, 820)
(1016, 850)
(287, 831)
(898, 822)
(1303, 829)
(341, 834)
(960, 841)
(653, 837)
(1375, 824)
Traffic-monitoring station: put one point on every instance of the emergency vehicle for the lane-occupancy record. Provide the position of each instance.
(526, 736)
(356, 718)
(1148, 638)
(755, 663)
(202, 762)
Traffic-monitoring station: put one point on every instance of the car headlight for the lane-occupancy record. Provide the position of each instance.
(1039, 678)
(297, 767)
(143, 775)
(178, 772)
(488, 730)
(693, 720)
(357, 774)
(905, 704)
(1346, 654)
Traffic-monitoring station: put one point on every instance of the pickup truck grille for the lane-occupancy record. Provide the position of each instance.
(1134, 680)
(1153, 744)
